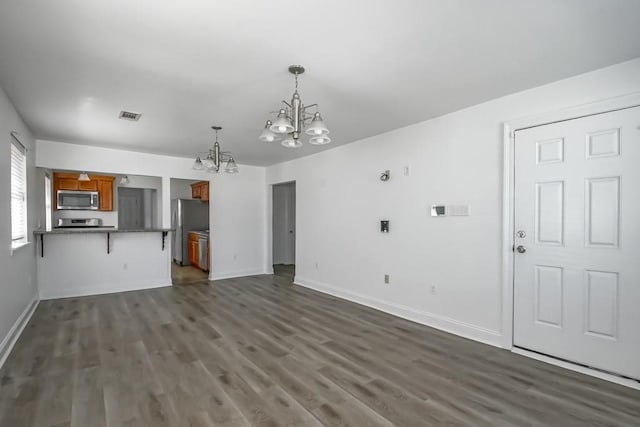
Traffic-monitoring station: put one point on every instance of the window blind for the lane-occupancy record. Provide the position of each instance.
(18, 192)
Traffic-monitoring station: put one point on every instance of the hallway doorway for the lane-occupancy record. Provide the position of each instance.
(284, 227)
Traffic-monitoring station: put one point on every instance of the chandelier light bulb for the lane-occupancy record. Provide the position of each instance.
(232, 167)
(291, 143)
(320, 140)
(317, 126)
(267, 135)
(282, 123)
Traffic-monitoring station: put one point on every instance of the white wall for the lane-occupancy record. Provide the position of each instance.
(237, 223)
(181, 188)
(237, 204)
(18, 270)
(78, 264)
(456, 158)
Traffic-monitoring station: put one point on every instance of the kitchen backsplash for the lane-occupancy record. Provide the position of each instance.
(108, 218)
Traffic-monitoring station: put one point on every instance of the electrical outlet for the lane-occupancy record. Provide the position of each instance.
(386, 279)
(316, 265)
(433, 289)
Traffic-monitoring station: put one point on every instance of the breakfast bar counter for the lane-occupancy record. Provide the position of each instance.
(91, 261)
(99, 230)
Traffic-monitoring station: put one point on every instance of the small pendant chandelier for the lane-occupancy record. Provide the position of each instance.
(215, 157)
(292, 118)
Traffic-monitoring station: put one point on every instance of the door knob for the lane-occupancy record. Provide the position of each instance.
(521, 249)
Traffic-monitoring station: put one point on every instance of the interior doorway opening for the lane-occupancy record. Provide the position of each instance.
(190, 242)
(284, 229)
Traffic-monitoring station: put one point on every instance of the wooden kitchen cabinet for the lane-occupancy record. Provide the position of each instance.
(88, 185)
(194, 252)
(105, 191)
(200, 190)
(66, 184)
(103, 184)
(194, 249)
(195, 190)
(204, 191)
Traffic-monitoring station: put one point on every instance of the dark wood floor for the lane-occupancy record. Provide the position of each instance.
(259, 351)
(186, 275)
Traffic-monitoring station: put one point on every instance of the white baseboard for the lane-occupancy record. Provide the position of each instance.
(433, 320)
(109, 288)
(16, 330)
(577, 368)
(237, 273)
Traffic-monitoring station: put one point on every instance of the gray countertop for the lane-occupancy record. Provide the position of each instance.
(100, 230)
(200, 233)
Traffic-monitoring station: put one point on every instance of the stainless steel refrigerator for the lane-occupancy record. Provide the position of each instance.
(186, 215)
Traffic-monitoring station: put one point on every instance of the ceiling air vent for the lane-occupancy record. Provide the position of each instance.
(128, 115)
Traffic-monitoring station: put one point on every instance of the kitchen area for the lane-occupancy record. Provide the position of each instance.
(104, 233)
(190, 240)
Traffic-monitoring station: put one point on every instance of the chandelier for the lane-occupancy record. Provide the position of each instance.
(214, 159)
(292, 118)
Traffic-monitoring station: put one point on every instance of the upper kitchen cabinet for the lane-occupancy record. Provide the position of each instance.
(64, 183)
(103, 184)
(105, 191)
(88, 185)
(200, 190)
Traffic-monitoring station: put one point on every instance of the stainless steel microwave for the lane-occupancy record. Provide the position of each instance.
(78, 200)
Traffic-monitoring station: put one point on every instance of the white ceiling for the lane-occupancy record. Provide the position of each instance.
(372, 65)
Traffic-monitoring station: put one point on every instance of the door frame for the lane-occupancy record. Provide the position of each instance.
(508, 215)
(270, 221)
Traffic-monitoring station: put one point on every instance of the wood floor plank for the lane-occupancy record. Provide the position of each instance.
(88, 398)
(260, 351)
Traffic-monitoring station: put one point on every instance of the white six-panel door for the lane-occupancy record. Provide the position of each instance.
(577, 228)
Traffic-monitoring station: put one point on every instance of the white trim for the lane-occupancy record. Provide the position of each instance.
(238, 273)
(14, 333)
(507, 238)
(599, 107)
(578, 368)
(19, 246)
(137, 285)
(433, 320)
(510, 127)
